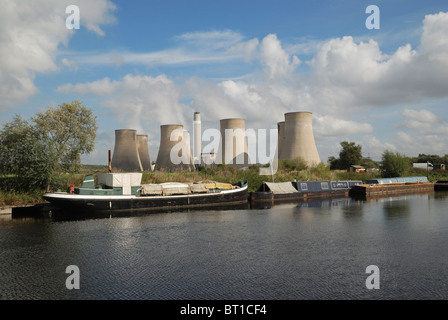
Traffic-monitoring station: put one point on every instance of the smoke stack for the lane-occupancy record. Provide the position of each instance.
(197, 148)
(299, 138)
(180, 147)
(126, 157)
(143, 152)
(233, 145)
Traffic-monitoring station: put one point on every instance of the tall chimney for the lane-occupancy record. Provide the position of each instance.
(197, 148)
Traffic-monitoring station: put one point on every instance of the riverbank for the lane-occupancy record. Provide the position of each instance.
(62, 181)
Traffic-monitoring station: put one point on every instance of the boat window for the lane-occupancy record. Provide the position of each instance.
(304, 186)
(324, 185)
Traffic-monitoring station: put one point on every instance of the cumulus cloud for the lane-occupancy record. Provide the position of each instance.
(345, 78)
(30, 33)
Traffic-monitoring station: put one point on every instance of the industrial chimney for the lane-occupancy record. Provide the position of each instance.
(299, 138)
(143, 152)
(126, 156)
(233, 145)
(197, 138)
(180, 147)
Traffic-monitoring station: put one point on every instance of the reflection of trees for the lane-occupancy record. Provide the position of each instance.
(396, 209)
(441, 195)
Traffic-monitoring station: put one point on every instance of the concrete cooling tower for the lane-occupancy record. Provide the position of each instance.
(233, 145)
(143, 152)
(126, 156)
(197, 149)
(281, 138)
(299, 138)
(180, 146)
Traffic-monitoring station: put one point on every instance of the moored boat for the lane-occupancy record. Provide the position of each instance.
(123, 192)
(441, 185)
(270, 193)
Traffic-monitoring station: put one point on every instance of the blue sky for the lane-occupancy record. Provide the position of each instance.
(141, 64)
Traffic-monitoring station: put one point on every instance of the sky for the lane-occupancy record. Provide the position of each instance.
(142, 64)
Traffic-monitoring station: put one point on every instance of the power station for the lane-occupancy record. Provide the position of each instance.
(197, 138)
(143, 152)
(233, 144)
(174, 150)
(297, 140)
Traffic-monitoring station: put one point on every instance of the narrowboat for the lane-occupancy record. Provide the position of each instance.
(270, 193)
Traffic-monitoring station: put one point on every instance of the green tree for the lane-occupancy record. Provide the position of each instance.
(394, 164)
(32, 151)
(24, 155)
(70, 131)
(350, 154)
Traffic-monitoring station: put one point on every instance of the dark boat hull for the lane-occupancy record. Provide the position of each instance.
(81, 204)
(305, 191)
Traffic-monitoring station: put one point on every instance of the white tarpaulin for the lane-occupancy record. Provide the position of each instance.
(279, 187)
(171, 188)
(198, 188)
(122, 180)
(151, 190)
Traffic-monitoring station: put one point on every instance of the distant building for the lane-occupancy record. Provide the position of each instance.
(424, 165)
(357, 168)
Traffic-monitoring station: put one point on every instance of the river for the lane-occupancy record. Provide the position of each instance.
(317, 250)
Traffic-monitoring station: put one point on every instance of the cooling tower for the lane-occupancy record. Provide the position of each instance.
(174, 155)
(126, 156)
(197, 149)
(233, 145)
(143, 152)
(281, 138)
(299, 138)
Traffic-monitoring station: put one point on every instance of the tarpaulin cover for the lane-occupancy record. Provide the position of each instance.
(151, 190)
(278, 187)
(171, 188)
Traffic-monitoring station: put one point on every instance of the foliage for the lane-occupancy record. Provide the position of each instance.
(24, 155)
(293, 164)
(394, 164)
(70, 131)
(32, 151)
(350, 154)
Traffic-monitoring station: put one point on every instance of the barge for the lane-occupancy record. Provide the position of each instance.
(393, 186)
(270, 193)
(123, 192)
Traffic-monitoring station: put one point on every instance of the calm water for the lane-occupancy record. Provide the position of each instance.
(286, 252)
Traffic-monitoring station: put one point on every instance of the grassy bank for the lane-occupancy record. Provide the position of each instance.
(10, 196)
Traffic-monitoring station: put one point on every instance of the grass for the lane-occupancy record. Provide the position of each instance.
(288, 172)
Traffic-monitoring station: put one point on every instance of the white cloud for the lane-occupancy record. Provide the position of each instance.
(346, 79)
(30, 33)
(277, 63)
(326, 127)
(100, 87)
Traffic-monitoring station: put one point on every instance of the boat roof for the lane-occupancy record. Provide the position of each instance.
(278, 187)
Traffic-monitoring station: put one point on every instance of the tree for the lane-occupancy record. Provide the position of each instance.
(24, 155)
(350, 154)
(70, 131)
(32, 151)
(394, 164)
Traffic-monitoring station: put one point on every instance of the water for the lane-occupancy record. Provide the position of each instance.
(288, 252)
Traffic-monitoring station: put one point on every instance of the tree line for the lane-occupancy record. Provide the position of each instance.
(392, 164)
(32, 151)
